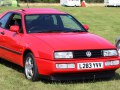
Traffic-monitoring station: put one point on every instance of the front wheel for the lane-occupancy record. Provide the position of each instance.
(30, 68)
(118, 47)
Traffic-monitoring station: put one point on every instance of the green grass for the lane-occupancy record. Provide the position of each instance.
(101, 20)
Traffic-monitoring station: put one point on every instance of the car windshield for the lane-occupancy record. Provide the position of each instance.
(52, 23)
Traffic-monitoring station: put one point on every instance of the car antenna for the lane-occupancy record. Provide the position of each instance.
(28, 4)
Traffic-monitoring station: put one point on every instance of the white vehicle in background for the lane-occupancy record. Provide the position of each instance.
(112, 2)
(70, 2)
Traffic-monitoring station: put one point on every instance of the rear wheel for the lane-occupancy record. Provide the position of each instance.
(30, 68)
(118, 47)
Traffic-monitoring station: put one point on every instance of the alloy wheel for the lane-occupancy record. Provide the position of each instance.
(29, 65)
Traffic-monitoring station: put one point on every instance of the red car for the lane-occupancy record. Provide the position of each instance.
(51, 44)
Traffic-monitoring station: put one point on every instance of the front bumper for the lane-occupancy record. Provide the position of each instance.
(48, 68)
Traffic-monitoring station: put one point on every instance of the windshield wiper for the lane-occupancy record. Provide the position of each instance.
(64, 31)
(56, 30)
(46, 31)
(50, 31)
(75, 31)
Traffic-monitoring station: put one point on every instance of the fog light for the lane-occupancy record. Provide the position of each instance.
(108, 63)
(71, 65)
(65, 66)
(112, 63)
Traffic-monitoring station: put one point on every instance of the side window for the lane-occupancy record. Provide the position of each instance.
(15, 20)
(4, 20)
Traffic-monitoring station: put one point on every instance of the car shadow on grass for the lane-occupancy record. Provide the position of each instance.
(117, 77)
(94, 80)
(11, 65)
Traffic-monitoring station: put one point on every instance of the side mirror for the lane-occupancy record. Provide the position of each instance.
(14, 28)
(86, 26)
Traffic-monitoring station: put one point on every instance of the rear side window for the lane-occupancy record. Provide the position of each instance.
(4, 20)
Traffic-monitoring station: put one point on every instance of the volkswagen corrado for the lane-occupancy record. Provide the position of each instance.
(51, 44)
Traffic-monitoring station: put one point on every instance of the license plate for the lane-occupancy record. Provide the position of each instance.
(90, 65)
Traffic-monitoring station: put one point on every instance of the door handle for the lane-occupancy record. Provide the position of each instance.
(2, 33)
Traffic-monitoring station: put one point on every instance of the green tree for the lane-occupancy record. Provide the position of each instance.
(95, 1)
(47, 1)
(57, 1)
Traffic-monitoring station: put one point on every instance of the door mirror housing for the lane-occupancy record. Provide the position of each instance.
(86, 27)
(15, 28)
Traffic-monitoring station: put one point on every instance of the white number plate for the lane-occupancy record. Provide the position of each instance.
(90, 65)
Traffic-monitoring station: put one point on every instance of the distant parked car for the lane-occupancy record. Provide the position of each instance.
(112, 3)
(70, 2)
(53, 45)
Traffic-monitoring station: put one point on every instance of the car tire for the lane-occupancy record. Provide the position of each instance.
(118, 47)
(30, 68)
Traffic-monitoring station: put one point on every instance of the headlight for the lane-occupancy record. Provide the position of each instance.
(110, 52)
(61, 55)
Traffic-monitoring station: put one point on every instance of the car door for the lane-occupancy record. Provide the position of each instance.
(12, 39)
(3, 22)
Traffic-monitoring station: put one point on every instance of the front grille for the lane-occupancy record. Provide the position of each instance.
(83, 53)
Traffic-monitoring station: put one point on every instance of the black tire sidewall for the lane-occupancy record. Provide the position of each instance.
(118, 44)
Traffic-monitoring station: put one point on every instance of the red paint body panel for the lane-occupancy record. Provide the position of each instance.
(41, 11)
(74, 41)
(11, 40)
(50, 68)
(43, 46)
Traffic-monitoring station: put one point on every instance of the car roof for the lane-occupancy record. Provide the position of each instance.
(40, 11)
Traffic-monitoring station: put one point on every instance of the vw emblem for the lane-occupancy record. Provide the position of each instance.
(88, 54)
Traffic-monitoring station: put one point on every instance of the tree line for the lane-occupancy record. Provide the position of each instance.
(57, 1)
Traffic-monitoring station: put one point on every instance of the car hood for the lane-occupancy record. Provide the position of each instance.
(74, 41)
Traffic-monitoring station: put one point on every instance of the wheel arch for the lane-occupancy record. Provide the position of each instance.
(25, 53)
(35, 54)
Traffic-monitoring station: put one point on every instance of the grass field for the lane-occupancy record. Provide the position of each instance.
(102, 21)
